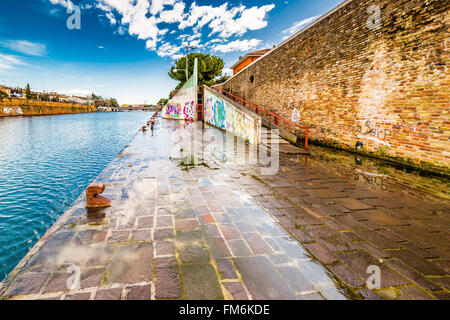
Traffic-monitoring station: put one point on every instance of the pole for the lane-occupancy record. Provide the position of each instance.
(187, 64)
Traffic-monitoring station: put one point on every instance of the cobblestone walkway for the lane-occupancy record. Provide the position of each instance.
(225, 231)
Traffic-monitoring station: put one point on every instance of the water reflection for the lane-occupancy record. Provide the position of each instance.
(45, 164)
(377, 174)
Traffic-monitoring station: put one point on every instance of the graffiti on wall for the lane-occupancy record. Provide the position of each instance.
(9, 111)
(189, 110)
(182, 106)
(224, 115)
(175, 110)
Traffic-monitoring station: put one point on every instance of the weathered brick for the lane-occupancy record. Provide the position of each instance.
(168, 283)
(139, 292)
(109, 294)
(345, 95)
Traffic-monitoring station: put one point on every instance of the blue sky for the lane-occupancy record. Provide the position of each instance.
(125, 48)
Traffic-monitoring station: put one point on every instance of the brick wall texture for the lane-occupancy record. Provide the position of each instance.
(387, 87)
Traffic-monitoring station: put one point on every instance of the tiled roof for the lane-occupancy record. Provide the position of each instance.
(259, 52)
(253, 53)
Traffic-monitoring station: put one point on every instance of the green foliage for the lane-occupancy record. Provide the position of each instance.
(101, 102)
(3, 95)
(44, 97)
(113, 102)
(28, 92)
(209, 67)
(174, 92)
(97, 99)
(383, 151)
(162, 102)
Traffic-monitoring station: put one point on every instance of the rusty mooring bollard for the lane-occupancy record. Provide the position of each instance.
(93, 197)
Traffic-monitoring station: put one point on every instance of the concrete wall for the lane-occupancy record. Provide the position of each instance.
(22, 107)
(350, 81)
(226, 114)
(183, 106)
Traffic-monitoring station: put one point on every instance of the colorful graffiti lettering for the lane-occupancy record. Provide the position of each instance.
(219, 114)
(209, 110)
(189, 110)
(173, 110)
(224, 115)
(183, 106)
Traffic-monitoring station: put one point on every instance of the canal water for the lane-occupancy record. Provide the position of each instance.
(45, 164)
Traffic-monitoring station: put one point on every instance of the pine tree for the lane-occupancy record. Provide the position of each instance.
(209, 67)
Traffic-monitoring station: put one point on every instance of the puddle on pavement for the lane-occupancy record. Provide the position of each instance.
(377, 174)
(279, 267)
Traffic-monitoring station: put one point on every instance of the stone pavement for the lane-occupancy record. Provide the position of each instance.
(220, 230)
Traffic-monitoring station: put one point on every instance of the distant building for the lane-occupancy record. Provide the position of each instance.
(247, 59)
(17, 93)
(81, 100)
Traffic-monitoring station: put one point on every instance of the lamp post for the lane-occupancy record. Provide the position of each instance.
(187, 62)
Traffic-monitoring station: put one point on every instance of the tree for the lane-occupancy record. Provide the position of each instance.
(113, 103)
(173, 92)
(98, 100)
(162, 102)
(28, 92)
(3, 95)
(44, 97)
(209, 67)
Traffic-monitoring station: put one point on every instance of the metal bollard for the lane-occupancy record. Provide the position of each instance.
(93, 197)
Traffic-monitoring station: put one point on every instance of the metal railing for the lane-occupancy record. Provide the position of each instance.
(257, 109)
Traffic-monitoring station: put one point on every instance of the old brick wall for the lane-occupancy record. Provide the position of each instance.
(18, 107)
(387, 87)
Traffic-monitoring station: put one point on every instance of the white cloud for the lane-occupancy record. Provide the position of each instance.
(194, 36)
(174, 15)
(297, 26)
(144, 18)
(237, 45)
(227, 72)
(196, 44)
(158, 5)
(226, 21)
(135, 16)
(168, 50)
(251, 19)
(64, 3)
(25, 47)
(8, 62)
(103, 7)
(121, 30)
(151, 44)
(111, 18)
(177, 56)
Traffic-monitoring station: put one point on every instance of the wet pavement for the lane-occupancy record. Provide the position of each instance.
(190, 222)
